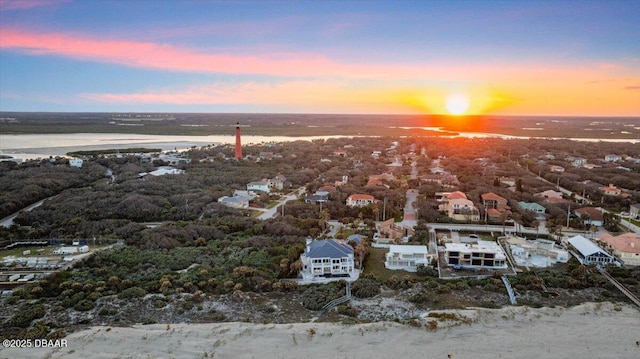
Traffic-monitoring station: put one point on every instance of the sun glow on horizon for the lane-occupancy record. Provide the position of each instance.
(457, 104)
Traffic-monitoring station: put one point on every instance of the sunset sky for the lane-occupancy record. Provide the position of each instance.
(415, 57)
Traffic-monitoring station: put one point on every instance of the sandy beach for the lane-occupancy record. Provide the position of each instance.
(591, 330)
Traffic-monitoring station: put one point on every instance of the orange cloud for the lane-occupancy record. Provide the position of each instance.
(327, 85)
(310, 96)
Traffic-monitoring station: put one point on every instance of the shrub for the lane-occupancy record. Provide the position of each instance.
(348, 311)
(423, 270)
(25, 315)
(365, 288)
(84, 305)
(315, 298)
(133, 292)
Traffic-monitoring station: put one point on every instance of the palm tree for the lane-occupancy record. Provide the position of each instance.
(536, 224)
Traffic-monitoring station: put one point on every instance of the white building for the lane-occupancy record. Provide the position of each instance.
(66, 250)
(484, 254)
(406, 257)
(262, 186)
(613, 158)
(75, 162)
(328, 258)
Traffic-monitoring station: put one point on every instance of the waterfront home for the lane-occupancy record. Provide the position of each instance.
(327, 258)
(589, 252)
(405, 257)
(482, 255)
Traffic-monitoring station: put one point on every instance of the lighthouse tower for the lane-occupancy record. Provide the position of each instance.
(238, 142)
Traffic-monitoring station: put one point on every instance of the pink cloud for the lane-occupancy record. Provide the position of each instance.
(168, 57)
(152, 55)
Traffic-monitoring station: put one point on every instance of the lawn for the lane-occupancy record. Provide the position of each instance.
(375, 264)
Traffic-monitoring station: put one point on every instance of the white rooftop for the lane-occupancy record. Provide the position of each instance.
(408, 249)
(585, 246)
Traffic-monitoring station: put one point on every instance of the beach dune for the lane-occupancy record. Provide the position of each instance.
(593, 330)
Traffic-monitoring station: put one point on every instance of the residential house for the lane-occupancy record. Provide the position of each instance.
(75, 162)
(509, 181)
(360, 200)
(532, 207)
(590, 216)
(611, 190)
(538, 253)
(408, 258)
(340, 152)
(389, 231)
(483, 255)
(613, 158)
(496, 207)
(459, 208)
(279, 182)
(240, 199)
(556, 169)
(161, 171)
(262, 186)
(328, 258)
(174, 158)
(578, 162)
(444, 179)
(589, 252)
(317, 197)
(625, 246)
(549, 194)
(634, 210)
(327, 188)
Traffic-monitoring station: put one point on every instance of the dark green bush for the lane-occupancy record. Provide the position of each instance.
(365, 288)
(314, 298)
(84, 305)
(133, 292)
(25, 315)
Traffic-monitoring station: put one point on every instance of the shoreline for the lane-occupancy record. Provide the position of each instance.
(590, 330)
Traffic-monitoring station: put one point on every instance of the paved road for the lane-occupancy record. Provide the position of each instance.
(409, 217)
(272, 212)
(8, 221)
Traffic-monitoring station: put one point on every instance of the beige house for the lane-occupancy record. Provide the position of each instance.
(459, 208)
(625, 246)
(360, 200)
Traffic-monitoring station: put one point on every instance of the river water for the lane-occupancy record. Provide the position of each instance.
(45, 145)
(30, 146)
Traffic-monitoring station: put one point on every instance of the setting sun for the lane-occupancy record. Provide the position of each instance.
(457, 104)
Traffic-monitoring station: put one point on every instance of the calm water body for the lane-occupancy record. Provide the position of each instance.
(45, 145)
